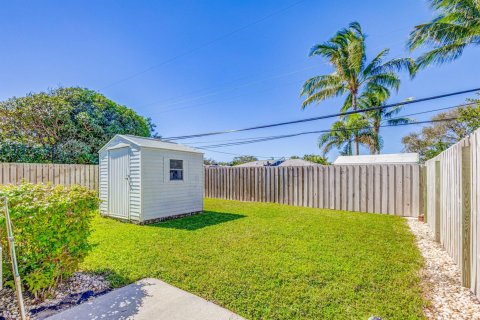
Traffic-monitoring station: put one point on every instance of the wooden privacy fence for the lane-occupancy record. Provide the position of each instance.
(65, 174)
(389, 189)
(453, 205)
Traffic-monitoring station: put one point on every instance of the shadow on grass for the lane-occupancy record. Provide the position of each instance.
(199, 221)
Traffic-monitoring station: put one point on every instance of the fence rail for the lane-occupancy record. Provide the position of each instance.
(453, 205)
(388, 189)
(65, 174)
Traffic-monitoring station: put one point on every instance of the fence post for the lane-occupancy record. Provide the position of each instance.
(422, 206)
(437, 200)
(466, 216)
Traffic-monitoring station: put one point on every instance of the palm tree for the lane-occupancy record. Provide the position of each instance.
(352, 75)
(379, 117)
(344, 134)
(456, 26)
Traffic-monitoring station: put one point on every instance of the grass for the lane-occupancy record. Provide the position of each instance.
(270, 261)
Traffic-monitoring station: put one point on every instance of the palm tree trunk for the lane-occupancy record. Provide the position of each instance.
(354, 107)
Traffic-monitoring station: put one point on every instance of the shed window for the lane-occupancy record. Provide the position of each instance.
(176, 170)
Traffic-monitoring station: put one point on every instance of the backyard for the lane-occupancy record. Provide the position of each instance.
(271, 261)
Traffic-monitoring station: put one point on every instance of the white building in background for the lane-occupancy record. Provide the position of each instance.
(145, 180)
(279, 163)
(393, 158)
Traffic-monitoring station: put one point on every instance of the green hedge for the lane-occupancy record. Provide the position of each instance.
(51, 225)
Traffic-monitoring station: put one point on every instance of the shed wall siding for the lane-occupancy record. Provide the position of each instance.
(162, 197)
(135, 184)
(135, 178)
(103, 182)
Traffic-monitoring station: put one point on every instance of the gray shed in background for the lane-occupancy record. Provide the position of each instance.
(145, 179)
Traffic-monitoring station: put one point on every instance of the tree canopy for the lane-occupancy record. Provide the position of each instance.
(64, 125)
(243, 159)
(439, 136)
(316, 159)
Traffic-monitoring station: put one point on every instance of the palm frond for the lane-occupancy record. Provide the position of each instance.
(326, 50)
(320, 82)
(399, 121)
(441, 55)
(375, 62)
(382, 82)
(456, 26)
(396, 65)
(347, 104)
(323, 94)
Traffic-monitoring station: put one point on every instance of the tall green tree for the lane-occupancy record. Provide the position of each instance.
(379, 117)
(344, 134)
(455, 27)
(353, 75)
(439, 136)
(64, 125)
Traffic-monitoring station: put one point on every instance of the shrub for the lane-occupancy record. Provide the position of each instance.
(51, 225)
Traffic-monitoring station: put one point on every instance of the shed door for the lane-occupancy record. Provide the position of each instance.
(119, 182)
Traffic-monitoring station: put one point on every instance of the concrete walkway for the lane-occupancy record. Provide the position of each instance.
(147, 299)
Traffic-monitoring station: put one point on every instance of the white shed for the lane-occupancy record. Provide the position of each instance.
(146, 180)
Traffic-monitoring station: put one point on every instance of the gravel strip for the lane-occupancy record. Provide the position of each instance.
(79, 288)
(442, 280)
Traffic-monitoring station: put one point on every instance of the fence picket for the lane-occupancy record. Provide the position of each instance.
(452, 207)
(15, 173)
(388, 189)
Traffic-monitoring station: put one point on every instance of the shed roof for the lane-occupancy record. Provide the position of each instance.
(153, 143)
(379, 158)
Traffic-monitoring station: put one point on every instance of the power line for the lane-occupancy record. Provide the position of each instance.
(238, 154)
(323, 117)
(406, 115)
(319, 131)
(206, 44)
(434, 110)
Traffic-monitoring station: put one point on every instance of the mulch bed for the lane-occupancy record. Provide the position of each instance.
(79, 288)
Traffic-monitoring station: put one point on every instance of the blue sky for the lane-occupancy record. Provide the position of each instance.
(187, 65)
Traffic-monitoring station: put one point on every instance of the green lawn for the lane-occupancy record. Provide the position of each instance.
(270, 261)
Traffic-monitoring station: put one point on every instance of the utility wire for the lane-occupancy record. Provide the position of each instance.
(239, 154)
(434, 110)
(206, 44)
(319, 131)
(324, 117)
(247, 140)
(403, 116)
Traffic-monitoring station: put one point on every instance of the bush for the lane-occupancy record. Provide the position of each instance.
(51, 225)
